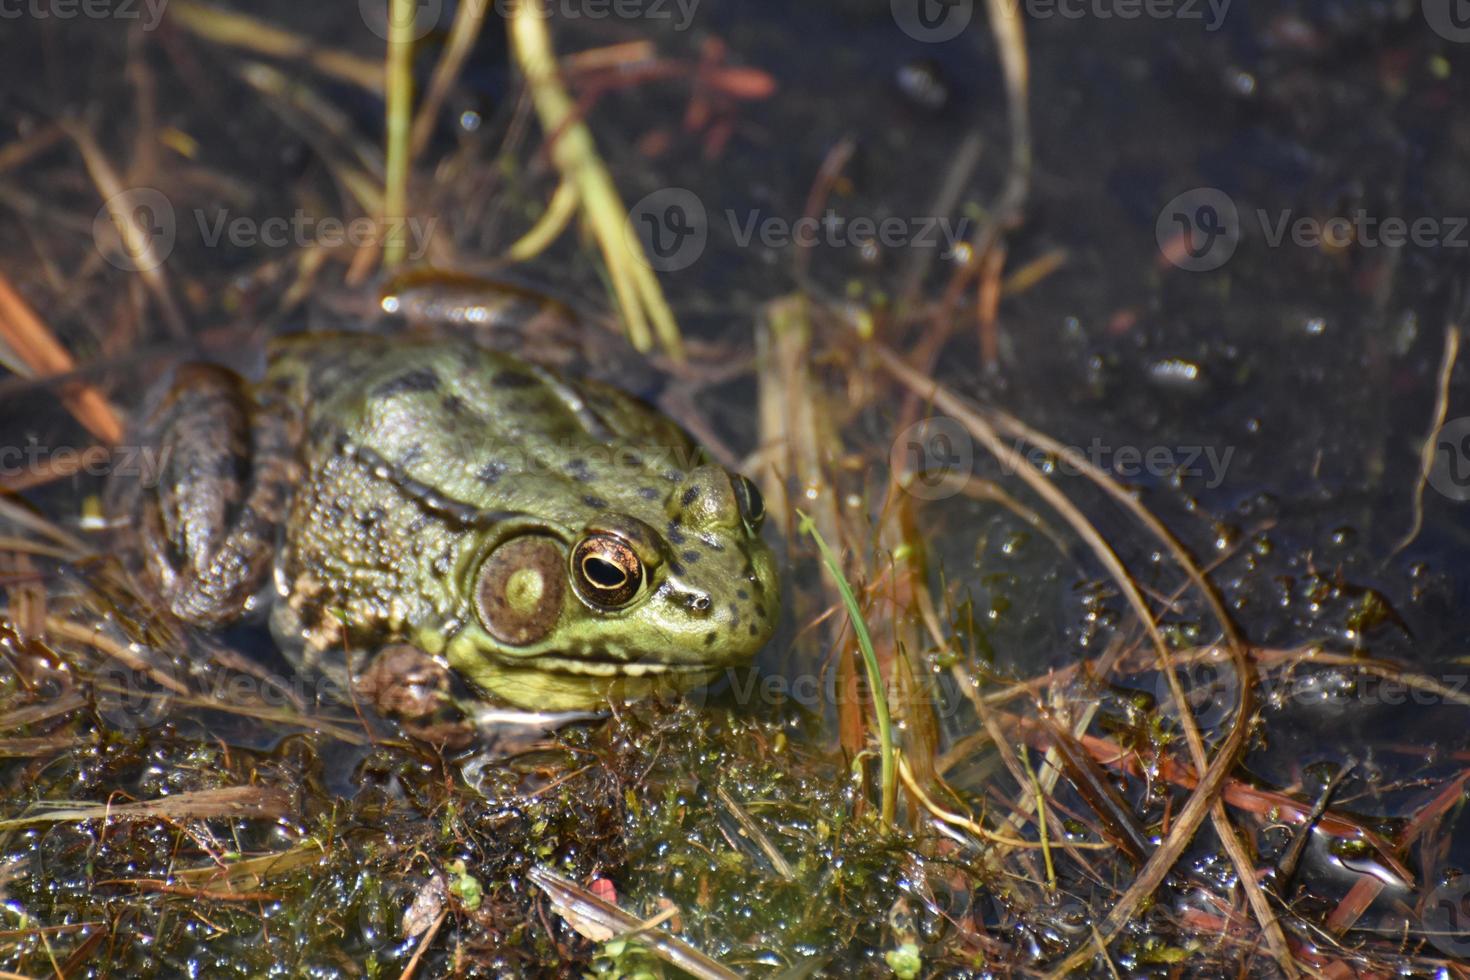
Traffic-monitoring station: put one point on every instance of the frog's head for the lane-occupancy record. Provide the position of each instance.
(643, 596)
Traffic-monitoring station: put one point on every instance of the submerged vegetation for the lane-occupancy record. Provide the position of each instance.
(1013, 724)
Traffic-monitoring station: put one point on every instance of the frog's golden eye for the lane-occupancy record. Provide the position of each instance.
(607, 571)
(752, 505)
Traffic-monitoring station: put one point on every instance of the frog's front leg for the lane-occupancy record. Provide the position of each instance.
(207, 525)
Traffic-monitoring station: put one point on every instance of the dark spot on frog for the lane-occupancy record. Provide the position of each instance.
(453, 405)
(675, 535)
(690, 496)
(491, 472)
(419, 379)
(633, 460)
(753, 630)
(742, 594)
(578, 470)
(595, 502)
(514, 379)
(710, 637)
(734, 614)
(690, 556)
(676, 568)
(649, 493)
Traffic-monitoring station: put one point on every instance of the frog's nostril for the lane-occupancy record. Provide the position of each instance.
(699, 603)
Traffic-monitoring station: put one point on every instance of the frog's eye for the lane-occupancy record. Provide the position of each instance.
(752, 505)
(518, 590)
(607, 571)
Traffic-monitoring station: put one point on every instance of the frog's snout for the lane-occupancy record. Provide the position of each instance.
(697, 603)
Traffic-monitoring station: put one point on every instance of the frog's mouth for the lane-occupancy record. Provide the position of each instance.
(561, 682)
(607, 667)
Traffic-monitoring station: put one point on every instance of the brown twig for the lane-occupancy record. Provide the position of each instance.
(38, 348)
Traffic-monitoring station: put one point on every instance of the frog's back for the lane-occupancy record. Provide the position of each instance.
(474, 423)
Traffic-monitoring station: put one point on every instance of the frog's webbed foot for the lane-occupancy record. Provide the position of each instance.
(207, 526)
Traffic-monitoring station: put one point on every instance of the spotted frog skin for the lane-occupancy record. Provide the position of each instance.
(555, 542)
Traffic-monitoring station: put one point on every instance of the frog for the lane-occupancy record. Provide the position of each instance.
(553, 541)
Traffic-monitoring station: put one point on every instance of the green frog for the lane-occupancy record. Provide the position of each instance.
(555, 542)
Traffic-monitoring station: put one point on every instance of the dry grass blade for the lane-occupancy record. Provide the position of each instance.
(753, 830)
(1010, 37)
(1430, 448)
(906, 775)
(469, 19)
(252, 34)
(38, 349)
(355, 163)
(232, 802)
(1093, 785)
(94, 637)
(396, 130)
(639, 295)
(17, 152)
(19, 514)
(40, 746)
(422, 947)
(553, 221)
(33, 714)
(139, 242)
(584, 910)
(255, 871)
